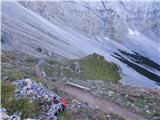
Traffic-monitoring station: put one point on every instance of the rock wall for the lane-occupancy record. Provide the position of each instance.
(102, 18)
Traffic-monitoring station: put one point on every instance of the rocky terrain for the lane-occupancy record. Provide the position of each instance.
(120, 31)
(109, 47)
(102, 18)
(37, 92)
(137, 100)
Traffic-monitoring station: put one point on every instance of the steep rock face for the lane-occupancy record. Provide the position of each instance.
(32, 33)
(103, 18)
(133, 24)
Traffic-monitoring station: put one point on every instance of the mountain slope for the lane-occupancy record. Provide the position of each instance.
(133, 24)
(27, 31)
(30, 31)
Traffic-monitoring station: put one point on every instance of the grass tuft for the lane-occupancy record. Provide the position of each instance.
(28, 108)
(15, 75)
(65, 115)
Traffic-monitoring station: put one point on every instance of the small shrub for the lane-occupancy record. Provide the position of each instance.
(7, 92)
(4, 58)
(49, 70)
(67, 72)
(156, 114)
(28, 109)
(65, 115)
(30, 60)
(51, 62)
(8, 56)
(39, 50)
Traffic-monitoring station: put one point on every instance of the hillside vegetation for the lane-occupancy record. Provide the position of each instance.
(25, 106)
(95, 67)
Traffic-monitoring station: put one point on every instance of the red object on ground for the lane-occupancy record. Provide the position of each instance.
(64, 102)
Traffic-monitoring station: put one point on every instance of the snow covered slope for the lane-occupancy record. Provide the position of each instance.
(28, 31)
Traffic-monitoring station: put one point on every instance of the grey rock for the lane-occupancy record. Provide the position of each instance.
(75, 29)
(35, 90)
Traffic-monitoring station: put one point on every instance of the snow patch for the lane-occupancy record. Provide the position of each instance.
(131, 32)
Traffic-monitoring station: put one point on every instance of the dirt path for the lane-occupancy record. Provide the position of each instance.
(38, 71)
(104, 105)
(81, 95)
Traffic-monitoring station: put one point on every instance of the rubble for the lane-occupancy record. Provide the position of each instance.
(83, 111)
(139, 100)
(76, 105)
(30, 88)
(5, 116)
(75, 67)
(36, 91)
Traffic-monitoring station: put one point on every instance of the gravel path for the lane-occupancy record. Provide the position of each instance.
(38, 71)
(104, 105)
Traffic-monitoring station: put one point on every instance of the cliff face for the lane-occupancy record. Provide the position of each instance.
(103, 18)
(124, 22)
